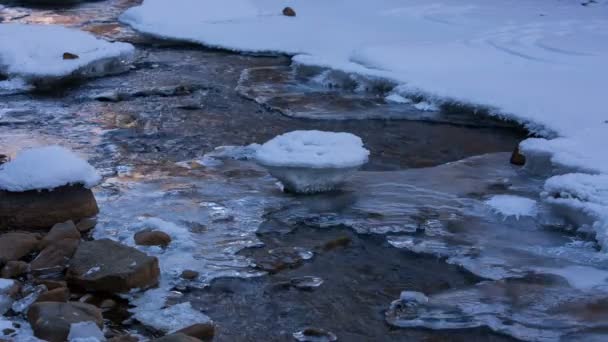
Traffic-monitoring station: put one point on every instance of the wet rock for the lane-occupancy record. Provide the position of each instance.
(52, 321)
(315, 335)
(203, 331)
(14, 246)
(517, 158)
(61, 294)
(86, 224)
(69, 55)
(289, 12)
(189, 275)
(340, 242)
(51, 284)
(60, 231)
(177, 337)
(3, 158)
(43, 209)
(152, 238)
(282, 258)
(55, 257)
(306, 283)
(108, 266)
(14, 269)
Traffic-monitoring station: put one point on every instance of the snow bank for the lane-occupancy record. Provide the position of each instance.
(36, 53)
(539, 62)
(46, 168)
(509, 205)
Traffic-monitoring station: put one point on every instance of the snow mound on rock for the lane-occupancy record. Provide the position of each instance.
(509, 205)
(36, 52)
(313, 149)
(47, 168)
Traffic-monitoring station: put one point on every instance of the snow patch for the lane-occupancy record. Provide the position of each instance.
(509, 205)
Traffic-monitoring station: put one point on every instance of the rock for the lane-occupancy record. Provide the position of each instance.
(108, 266)
(61, 294)
(52, 321)
(124, 338)
(314, 334)
(51, 284)
(42, 209)
(14, 246)
(86, 224)
(14, 269)
(152, 238)
(289, 12)
(9, 287)
(517, 158)
(337, 243)
(189, 275)
(107, 304)
(203, 331)
(3, 158)
(60, 231)
(69, 55)
(177, 338)
(55, 257)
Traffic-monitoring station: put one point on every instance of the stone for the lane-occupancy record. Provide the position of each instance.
(177, 337)
(124, 338)
(203, 331)
(108, 266)
(517, 158)
(289, 12)
(43, 209)
(3, 158)
(51, 321)
(189, 275)
(60, 231)
(14, 246)
(61, 294)
(69, 55)
(55, 257)
(14, 269)
(86, 224)
(51, 284)
(107, 304)
(340, 242)
(152, 238)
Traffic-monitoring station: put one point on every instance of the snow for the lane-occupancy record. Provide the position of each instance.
(396, 98)
(35, 52)
(85, 332)
(46, 167)
(173, 318)
(510, 205)
(313, 149)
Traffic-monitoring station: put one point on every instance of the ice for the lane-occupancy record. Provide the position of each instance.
(509, 205)
(173, 318)
(396, 98)
(35, 53)
(5, 300)
(426, 106)
(6, 284)
(85, 332)
(46, 167)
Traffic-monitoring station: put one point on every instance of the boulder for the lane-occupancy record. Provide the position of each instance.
(177, 337)
(55, 257)
(51, 284)
(189, 275)
(60, 231)
(14, 269)
(42, 209)
(108, 266)
(86, 224)
(51, 321)
(14, 246)
(152, 238)
(61, 294)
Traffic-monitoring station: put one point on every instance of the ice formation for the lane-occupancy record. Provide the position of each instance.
(312, 161)
(36, 53)
(509, 205)
(46, 167)
(85, 332)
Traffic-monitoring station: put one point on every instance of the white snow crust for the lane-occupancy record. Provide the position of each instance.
(510, 205)
(46, 168)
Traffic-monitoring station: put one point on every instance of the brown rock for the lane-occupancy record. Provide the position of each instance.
(203, 331)
(14, 269)
(289, 12)
(55, 257)
(42, 209)
(51, 320)
(108, 266)
(61, 294)
(124, 338)
(177, 338)
(51, 284)
(189, 275)
(69, 55)
(107, 304)
(60, 231)
(14, 246)
(152, 238)
(3, 157)
(343, 241)
(517, 158)
(86, 224)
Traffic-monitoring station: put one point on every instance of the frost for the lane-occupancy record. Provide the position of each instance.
(509, 205)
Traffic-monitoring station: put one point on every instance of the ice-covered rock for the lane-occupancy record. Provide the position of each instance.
(46, 168)
(42, 54)
(85, 332)
(312, 161)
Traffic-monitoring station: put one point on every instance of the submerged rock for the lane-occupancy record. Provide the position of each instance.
(108, 266)
(52, 321)
(152, 238)
(42, 209)
(315, 335)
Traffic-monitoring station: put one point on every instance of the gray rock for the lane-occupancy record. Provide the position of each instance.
(51, 321)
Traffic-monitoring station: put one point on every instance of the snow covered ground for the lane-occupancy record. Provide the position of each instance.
(540, 62)
(35, 53)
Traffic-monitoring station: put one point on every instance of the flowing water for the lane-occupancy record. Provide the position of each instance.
(273, 264)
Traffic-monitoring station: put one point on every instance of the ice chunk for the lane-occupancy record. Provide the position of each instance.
(173, 318)
(46, 168)
(396, 98)
(426, 106)
(85, 332)
(312, 161)
(509, 205)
